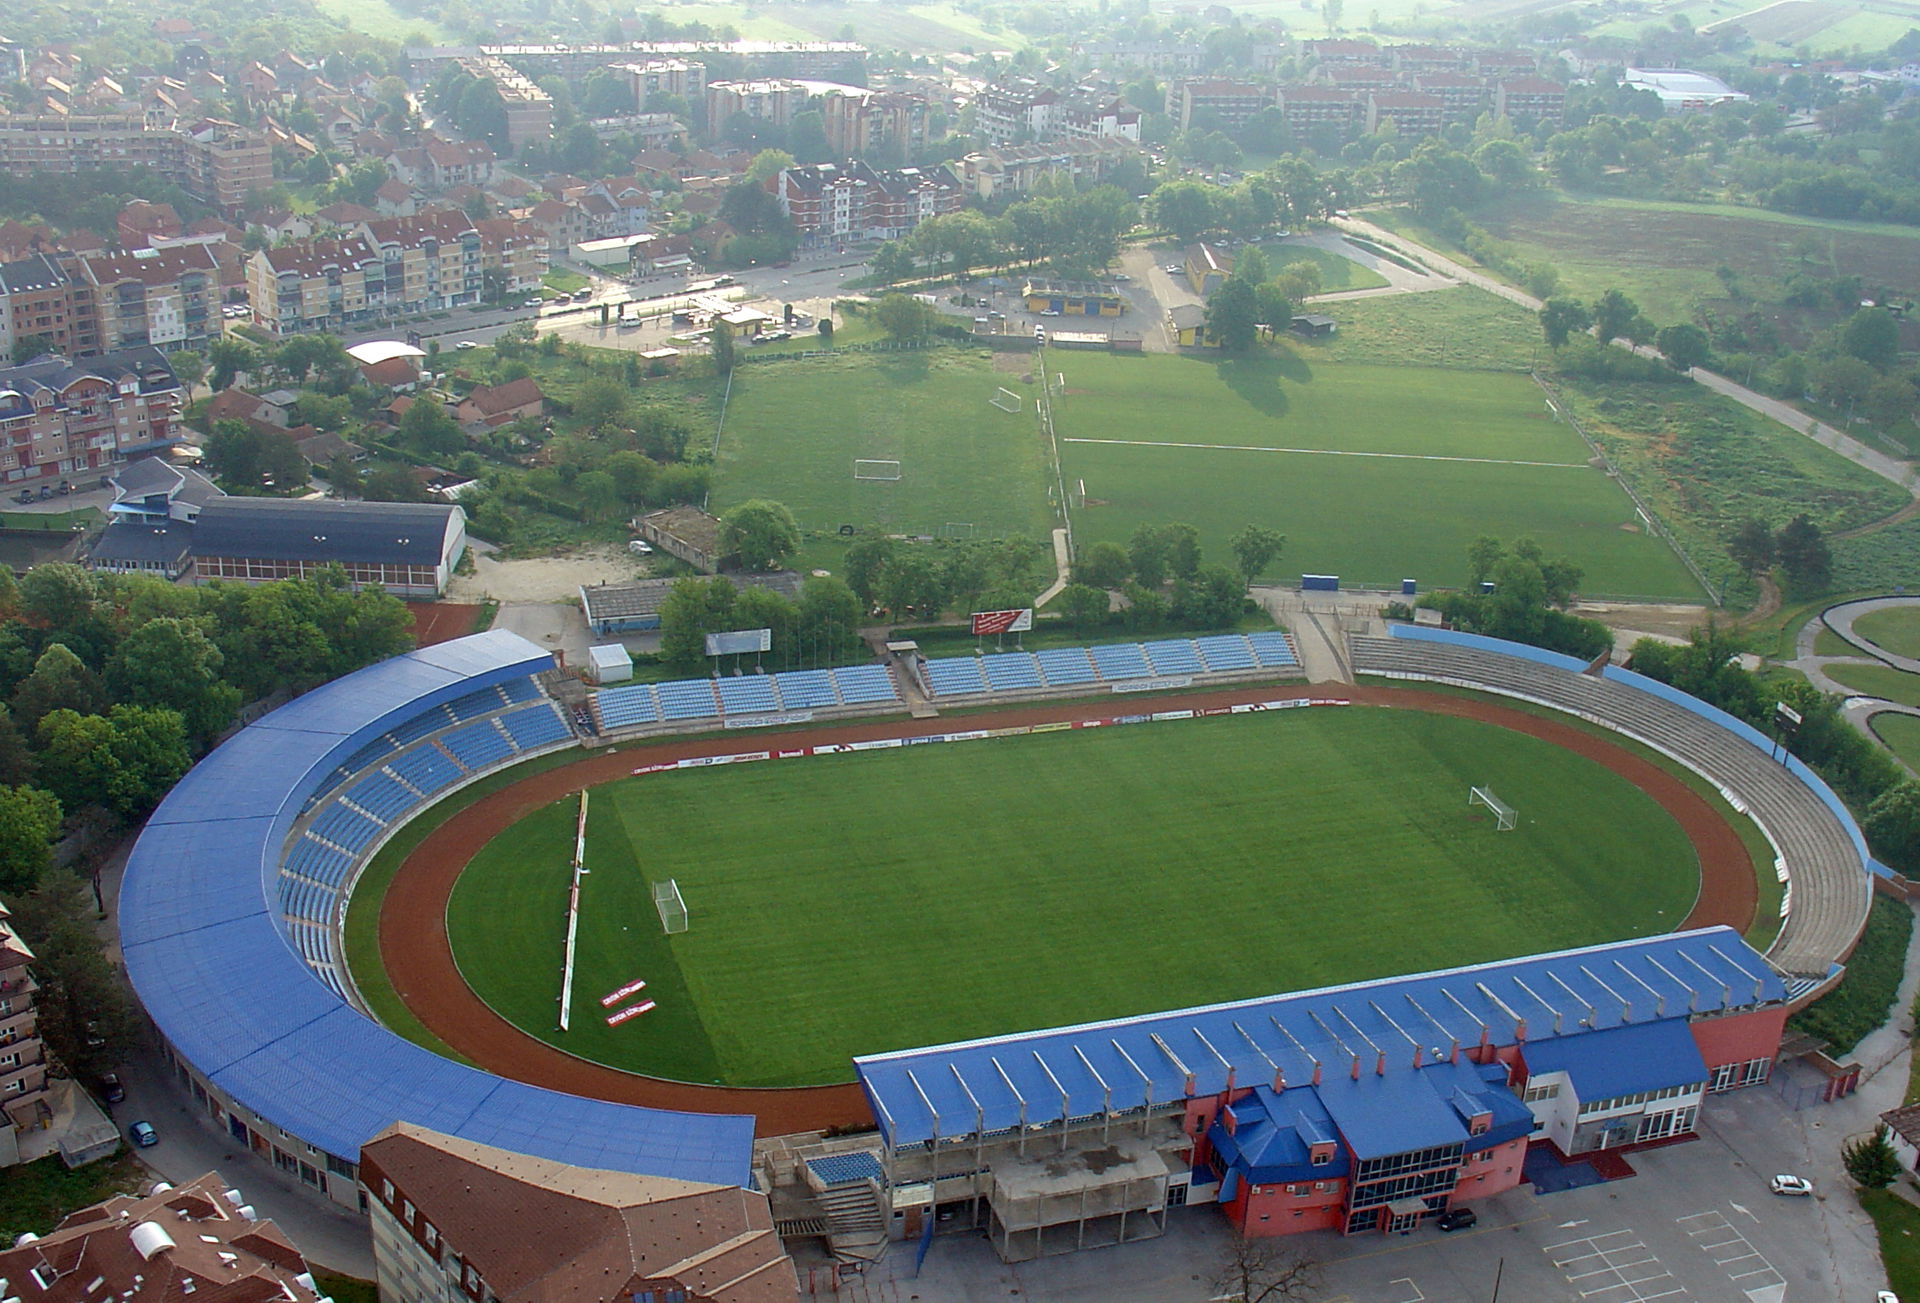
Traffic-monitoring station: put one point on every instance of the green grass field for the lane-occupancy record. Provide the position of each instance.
(1336, 273)
(1901, 733)
(1897, 629)
(1879, 681)
(794, 429)
(1373, 473)
(384, 20)
(865, 902)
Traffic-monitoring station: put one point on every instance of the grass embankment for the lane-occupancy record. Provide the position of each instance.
(1865, 995)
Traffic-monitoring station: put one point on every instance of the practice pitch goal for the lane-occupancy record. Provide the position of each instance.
(673, 910)
(865, 468)
(1006, 400)
(1504, 816)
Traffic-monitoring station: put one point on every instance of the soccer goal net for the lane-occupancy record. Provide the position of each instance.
(1504, 816)
(673, 910)
(1006, 400)
(872, 469)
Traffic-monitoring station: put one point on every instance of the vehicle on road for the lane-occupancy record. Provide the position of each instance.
(1794, 1185)
(1171, 269)
(1456, 1219)
(466, 344)
(111, 1088)
(1051, 312)
(143, 1135)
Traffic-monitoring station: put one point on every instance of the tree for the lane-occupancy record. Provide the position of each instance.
(1804, 556)
(230, 355)
(768, 164)
(1892, 825)
(1254, 546)
(1873, 336)
(725, 351)
(1266, 1269)
(1559, 318)
(171, 663)
(692, 609)
(190, 367)
(1082, 605)
(1147, 556)
(429, 427)
(16, 762)
(84, 1008)
(1483, 553)
(913, 583)
(601, 402)
(28, 347)
(1613, 315)
(1232, 315)
(29, 821)
(904, 317)
(1890, 401)
(826, 620)
(866, 561)
(1843, 381)
(59, 595)
(123, 761)
(1188, 209)
(1105, 565)
(1210, 598)
(1182, 545)
(1871, 1160)
(59, 682)
(343, 474)
(763, 533)
(1752, 546)
(1684, 344)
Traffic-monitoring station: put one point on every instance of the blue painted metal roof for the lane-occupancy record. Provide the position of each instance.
(1622, 1060)
(1041, 1077)
(204, 950)
(1272, 1137)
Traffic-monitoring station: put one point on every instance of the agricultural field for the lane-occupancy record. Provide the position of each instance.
(382, 20)
(914, 28)
(1462, 327)
(967, 469)
(1374, 473)
(863, 902)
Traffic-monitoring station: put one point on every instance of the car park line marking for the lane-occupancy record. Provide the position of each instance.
(1731, 1251)
(1418, 1297)
(1634, 1268)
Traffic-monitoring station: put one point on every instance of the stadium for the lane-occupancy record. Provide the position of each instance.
(1356, 1105)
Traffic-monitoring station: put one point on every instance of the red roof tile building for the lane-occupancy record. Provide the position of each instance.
(859, 201)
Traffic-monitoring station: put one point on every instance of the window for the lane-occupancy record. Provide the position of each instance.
(386, 1191)
(1322, 1155)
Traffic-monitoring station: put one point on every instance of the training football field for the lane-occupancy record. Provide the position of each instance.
(879, 900)
(1374, 473)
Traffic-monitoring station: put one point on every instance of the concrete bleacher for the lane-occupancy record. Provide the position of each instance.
(684, 701)
(806, 690)
(425, 769)
(1828, 888)
(860, 685)
(687, 699)
(748, 695)
(478, 745)
(536, 726)
(1105, 663)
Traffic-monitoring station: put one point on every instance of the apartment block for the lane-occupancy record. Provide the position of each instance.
(425, 263)
(1226, 105)
(1016, 169)
(23, 1060)
(773, 100)
(860, 201)
(37, 298)
(1023, 111)
(1307, 108)
(1411, 113)
(1527, 100)
(169, 297)
(686, 78)
(215, 161)
(62, 419)
(883, 125)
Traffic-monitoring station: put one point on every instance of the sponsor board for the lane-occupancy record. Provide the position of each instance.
(988, 623)
(1155, 685)
(739, 642)
(615, 997)
(631, 1011)
(1055, 727)
(876, 744)
(1173, 714)
(768, 721)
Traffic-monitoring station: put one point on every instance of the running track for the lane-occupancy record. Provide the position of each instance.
(419, 958)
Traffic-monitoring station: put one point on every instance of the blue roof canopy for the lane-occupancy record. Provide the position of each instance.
(1622, 1060)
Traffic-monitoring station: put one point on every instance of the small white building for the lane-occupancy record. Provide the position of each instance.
(609, 663)
(1682, 90)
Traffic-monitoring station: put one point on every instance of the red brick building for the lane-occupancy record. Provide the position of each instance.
(62, 420)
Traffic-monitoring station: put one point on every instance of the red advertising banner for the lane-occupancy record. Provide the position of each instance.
(986, 623)
(608, 1001)
(631, 1011)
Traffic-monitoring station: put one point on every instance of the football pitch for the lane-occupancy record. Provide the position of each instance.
(1374, 473)
(862, 902)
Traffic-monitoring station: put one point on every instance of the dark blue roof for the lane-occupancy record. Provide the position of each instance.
(1622, 1060)
(1040, 1077)
(206, 952)
(1273, 1134)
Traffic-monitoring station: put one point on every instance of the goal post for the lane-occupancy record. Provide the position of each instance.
(1006, 400)
(673, 910)
(1505, 817)
(875, 468)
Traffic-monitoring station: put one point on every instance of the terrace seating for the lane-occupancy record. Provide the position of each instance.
(1012, 671)
(420, 726)
(861, 684)
(1173, 656)
(478, 745)
(1828, 889)
(425, 769)
(1065, 665)
(1121, 660)
(311, 859)
(805, 689)
(633, 704)
(519, 692)
(955, 676)
(847, 1169)
(1272, 650)
(348, 830)
(687, 699)
(748, 695)
(536, 726)
(1225, 652)
(475, 704)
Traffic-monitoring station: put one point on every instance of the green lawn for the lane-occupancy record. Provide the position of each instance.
(384, 20)
(1897, 629)
(1901, 733)
(1336, 272)
(1864, 998)
(794, 429)
(865, 902)
(1879, 681)
(35, 1197)
(1374, 473)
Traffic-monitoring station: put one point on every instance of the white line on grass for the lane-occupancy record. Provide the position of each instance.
(1336, 452)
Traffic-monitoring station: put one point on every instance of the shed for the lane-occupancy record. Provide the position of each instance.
(609, 663)
(1314, 326)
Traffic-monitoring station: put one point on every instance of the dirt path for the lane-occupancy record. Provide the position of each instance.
(419, 958)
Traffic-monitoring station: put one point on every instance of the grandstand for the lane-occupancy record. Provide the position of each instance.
(642, 706)
(1820, 853)
(1221, 658)
(227, 922)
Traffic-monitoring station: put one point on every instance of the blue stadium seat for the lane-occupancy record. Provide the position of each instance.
(475, 704)
(805, 689)
(847, 1169)
(1272, 649)
(1011, 671)
(955, 676)
(747, 695)
(633, 704)
(479, 745)
(1065, 665)
(380, 797)
(1173, 656)
(520, 691)
(426, 769)
(536, 726)
(860, 684)
(367, 755)
(1226, 652)
(687, 699)
(349, 831)
(419, 726)
(310, 859)
(1120, 660)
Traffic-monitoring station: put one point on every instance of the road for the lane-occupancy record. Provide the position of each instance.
(1889, 468)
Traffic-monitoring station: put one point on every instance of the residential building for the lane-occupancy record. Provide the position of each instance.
(38, 297)
(1208, 267)
(410, 549)
(492, 405)
(23, 1060)
(1527, 100)
(215, 161)
(859, 201)
(1224, 105)
(845, 59)
(529, 109)
(772, 100)
(1417, 59)
(1320, 108)
(172, 1242)
(167, 297)
(516, 250)
(224, 164)
(455, 1221)
(683, 78)
(1347, 54)
(1023, 111)
(1413, 115)
(1015, 169)
(141, 224)
(1465, 96)
(440, 164)
(1153, 56)
(72, 420)
(887, 126)
(426, 263)
(1504, 64)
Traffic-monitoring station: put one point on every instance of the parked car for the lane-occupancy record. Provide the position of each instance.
(466, 344)
(640, 547)
(111, 1088)
(1886, 1296)
(1051, 312)
(143, 1135)
(24, 495)
(1794, 1185)
(46, 491)
(1171, 269)
(1456, 1219)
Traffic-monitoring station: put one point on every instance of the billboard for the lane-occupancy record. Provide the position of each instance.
(995, 622)
(739, 642)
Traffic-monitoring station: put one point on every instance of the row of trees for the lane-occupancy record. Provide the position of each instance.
(1521, 594)
(1797, 548)
(1255, 296)
(1077, 233)
(820, 627)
